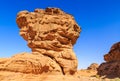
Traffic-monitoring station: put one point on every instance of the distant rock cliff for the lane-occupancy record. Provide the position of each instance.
(93, 66)
(111, 68)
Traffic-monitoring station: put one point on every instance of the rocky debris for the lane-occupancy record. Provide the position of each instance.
(51, 34)
(93, 66)
(111, 68)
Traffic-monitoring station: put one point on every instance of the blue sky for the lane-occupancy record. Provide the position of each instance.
(99, 20)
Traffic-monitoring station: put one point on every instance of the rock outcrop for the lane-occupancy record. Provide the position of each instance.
(111, 68)
(30, 63)
(93, 66)
(51, 34)
(114, 53)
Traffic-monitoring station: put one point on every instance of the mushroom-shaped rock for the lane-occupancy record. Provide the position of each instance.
(52, 33)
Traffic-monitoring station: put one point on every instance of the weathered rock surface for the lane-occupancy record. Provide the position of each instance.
(111, 68)
(114, 53)
(93, 66)
(52, 33)
(30, 63)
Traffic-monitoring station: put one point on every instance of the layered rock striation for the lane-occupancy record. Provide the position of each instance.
(111, 68)
(51, 34)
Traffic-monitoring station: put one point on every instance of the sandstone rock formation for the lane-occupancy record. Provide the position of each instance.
(114, 53)
(93, 66)
(30, 63)
(51, 34)
(111, 68)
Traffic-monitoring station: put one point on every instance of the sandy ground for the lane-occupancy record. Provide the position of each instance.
(82, 75)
